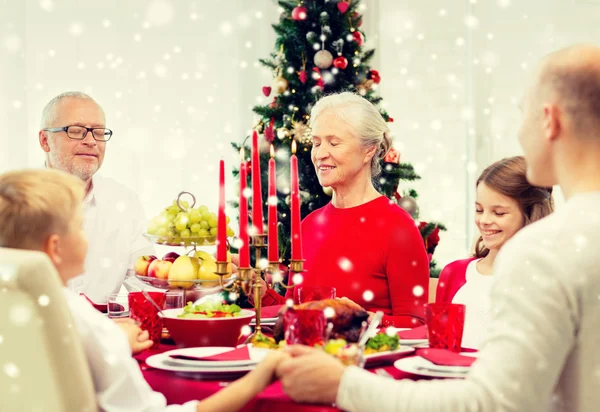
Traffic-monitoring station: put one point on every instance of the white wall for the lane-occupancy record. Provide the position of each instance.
(177, 80)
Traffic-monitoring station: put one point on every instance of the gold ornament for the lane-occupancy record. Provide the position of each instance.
(327, 190)
(301, 132)
(323, 59)
(280, 84)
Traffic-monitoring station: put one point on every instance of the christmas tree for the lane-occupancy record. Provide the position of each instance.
(320, 50)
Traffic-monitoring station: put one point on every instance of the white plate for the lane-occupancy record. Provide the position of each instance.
(420, 366)
(212, 368)
(414, 342)
(387, 356)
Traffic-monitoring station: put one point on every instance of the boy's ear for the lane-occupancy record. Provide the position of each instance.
(52, 248)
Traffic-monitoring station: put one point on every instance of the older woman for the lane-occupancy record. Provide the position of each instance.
(361, 243)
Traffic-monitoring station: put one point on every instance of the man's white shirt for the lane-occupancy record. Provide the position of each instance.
(114, 222)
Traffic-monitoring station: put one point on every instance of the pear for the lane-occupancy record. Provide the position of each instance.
(184, 269)
(208, 266)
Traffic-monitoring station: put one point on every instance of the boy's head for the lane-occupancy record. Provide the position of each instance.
(42, 210)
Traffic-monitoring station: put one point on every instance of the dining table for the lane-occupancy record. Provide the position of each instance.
(180, 389)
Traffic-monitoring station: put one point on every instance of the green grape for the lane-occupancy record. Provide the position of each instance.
(180, 226)
(152, 227)
(205, 215)
(174, 209)
(195, 227)
(185, 204)
(204, 225)
(162, 232)
(185, 233)
(203, 233)
(203, 209)
(195, 216)
(212, 221)
(227, 219)
(230, 232)
(213, 231)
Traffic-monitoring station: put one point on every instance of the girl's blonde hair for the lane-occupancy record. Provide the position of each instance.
(35, 204)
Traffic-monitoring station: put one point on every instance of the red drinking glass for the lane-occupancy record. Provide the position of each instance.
(445, 324)
(309, 294)
(141, 310)
(304, 326)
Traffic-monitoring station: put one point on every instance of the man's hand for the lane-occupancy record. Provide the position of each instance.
(310, 375)
(138, 339)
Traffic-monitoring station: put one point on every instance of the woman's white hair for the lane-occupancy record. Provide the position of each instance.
(363, 117)
(49, 113)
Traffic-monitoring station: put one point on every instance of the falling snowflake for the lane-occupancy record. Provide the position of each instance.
(418, 291)
(11, 370)
(503, 3)
(20, 315)
(43, 300)
(460, 42)
(471, 21)
(246, 330)
(12, 43)
(329, 312)
(106, 263)
(76, 29)
(160, 70)
(226, 28)
(47, 5)
(345, 264)
(436, 125)
(1, 339)
(368, 295)
(17, 104)
(471, 167)
(297, 279)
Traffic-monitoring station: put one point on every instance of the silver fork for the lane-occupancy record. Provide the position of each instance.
(384, 373)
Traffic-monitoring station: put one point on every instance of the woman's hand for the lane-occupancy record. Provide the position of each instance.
(264, 373)
(138, 339)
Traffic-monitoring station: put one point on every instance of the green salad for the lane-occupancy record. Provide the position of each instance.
(382, 342)
(210, 310)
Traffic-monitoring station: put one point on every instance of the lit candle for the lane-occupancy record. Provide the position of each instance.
(257, 212)
(273, 240)
(221, 222)
(295, 206)
(245, 247)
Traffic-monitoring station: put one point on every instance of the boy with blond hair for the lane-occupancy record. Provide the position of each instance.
(42, 210)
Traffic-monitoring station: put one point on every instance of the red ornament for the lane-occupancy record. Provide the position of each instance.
(266, 91)
(358, 37)
(391, 119)
(299, 13)
(302, 76)
(340, 62)
(318, 78)
(374, 75)
(342, 6)
(356, 16)
(269, 131)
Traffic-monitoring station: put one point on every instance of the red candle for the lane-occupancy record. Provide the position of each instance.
(257, 212)
(273, 240)
(295, 206)
(221, 222)
(245, 248)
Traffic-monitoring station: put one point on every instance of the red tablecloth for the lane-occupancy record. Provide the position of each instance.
(179, 390)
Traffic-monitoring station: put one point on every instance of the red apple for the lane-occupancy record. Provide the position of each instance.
(171, 257)
(142, 263)
(159, 269)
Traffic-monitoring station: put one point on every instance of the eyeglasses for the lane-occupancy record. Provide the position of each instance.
(99, 134)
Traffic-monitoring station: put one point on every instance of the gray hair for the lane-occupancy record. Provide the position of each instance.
(49, 113)
(364, 118)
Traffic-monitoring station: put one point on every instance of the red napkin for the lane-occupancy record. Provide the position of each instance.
(415, 333)
(270, 311)
(238, 354)
(444, 357)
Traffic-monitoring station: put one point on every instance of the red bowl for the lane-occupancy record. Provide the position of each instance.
(205, 332)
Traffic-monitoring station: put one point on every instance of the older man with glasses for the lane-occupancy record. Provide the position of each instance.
(74, 136)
